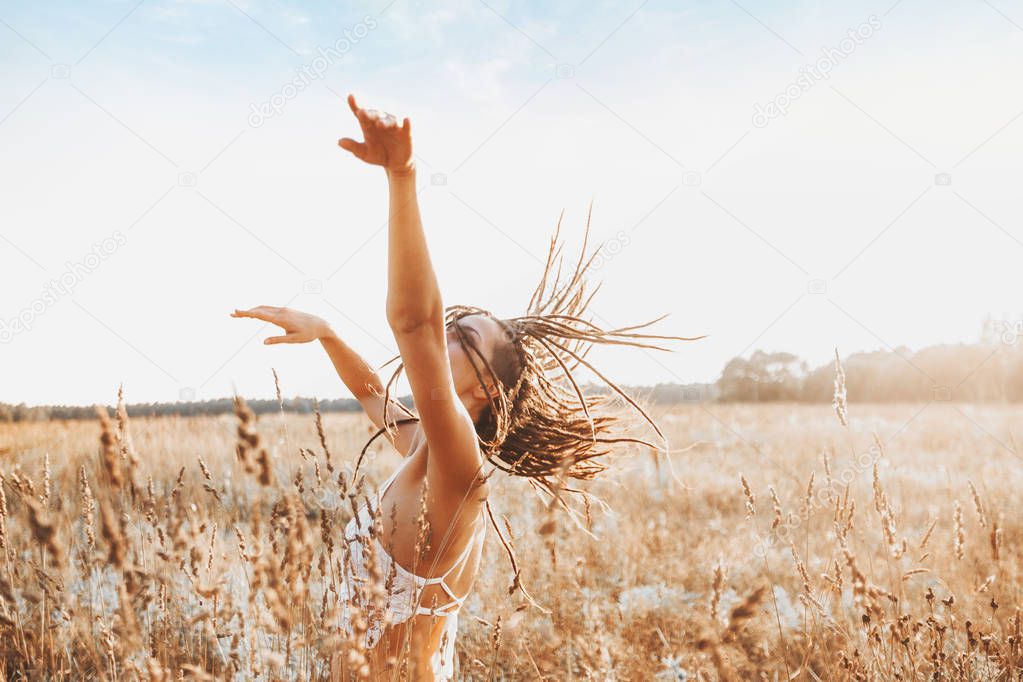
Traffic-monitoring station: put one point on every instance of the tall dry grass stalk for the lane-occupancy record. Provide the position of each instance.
(840, 399)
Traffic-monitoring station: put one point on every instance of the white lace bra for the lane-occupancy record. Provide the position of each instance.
(405, 596)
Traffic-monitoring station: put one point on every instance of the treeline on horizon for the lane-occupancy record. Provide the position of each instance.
(989, 371)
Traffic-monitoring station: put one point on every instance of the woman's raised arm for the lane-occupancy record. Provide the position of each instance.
(414, 307)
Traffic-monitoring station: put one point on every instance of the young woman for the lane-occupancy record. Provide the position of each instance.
(485, 390)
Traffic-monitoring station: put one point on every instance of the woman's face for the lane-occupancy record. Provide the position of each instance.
(482, 333)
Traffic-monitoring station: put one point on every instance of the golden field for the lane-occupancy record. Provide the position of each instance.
(888, 549)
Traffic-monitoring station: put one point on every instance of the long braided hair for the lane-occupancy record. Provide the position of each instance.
(540, 423)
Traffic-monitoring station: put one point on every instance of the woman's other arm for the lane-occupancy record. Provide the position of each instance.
(354, 371)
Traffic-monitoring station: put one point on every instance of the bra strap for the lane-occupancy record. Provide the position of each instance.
(461, 557)
(456, 602)
(449, 609)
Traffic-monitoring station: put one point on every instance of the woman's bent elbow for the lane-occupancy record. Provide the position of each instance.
(407, 321)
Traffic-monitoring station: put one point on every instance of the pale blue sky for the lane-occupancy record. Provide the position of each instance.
(132, 121)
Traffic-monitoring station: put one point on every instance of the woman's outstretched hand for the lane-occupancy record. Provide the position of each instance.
(298, 327)
(387, 142)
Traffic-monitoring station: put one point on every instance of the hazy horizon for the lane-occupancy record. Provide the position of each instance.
(161, 142)
(341, 392)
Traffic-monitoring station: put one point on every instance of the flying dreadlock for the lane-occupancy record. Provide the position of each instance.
(540, 424)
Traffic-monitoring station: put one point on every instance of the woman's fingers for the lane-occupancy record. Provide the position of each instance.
(263, 312)
(372, 118)
(246, 313)
(291, 337)
(353, 146)
(287, 338)
(359, 112)
(366, 121)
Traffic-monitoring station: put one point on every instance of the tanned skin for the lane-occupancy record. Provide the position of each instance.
(443, 448)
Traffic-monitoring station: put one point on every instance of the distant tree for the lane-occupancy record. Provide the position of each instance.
(763, 377)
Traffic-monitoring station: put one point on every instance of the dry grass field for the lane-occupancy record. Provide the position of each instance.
(888, 549)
